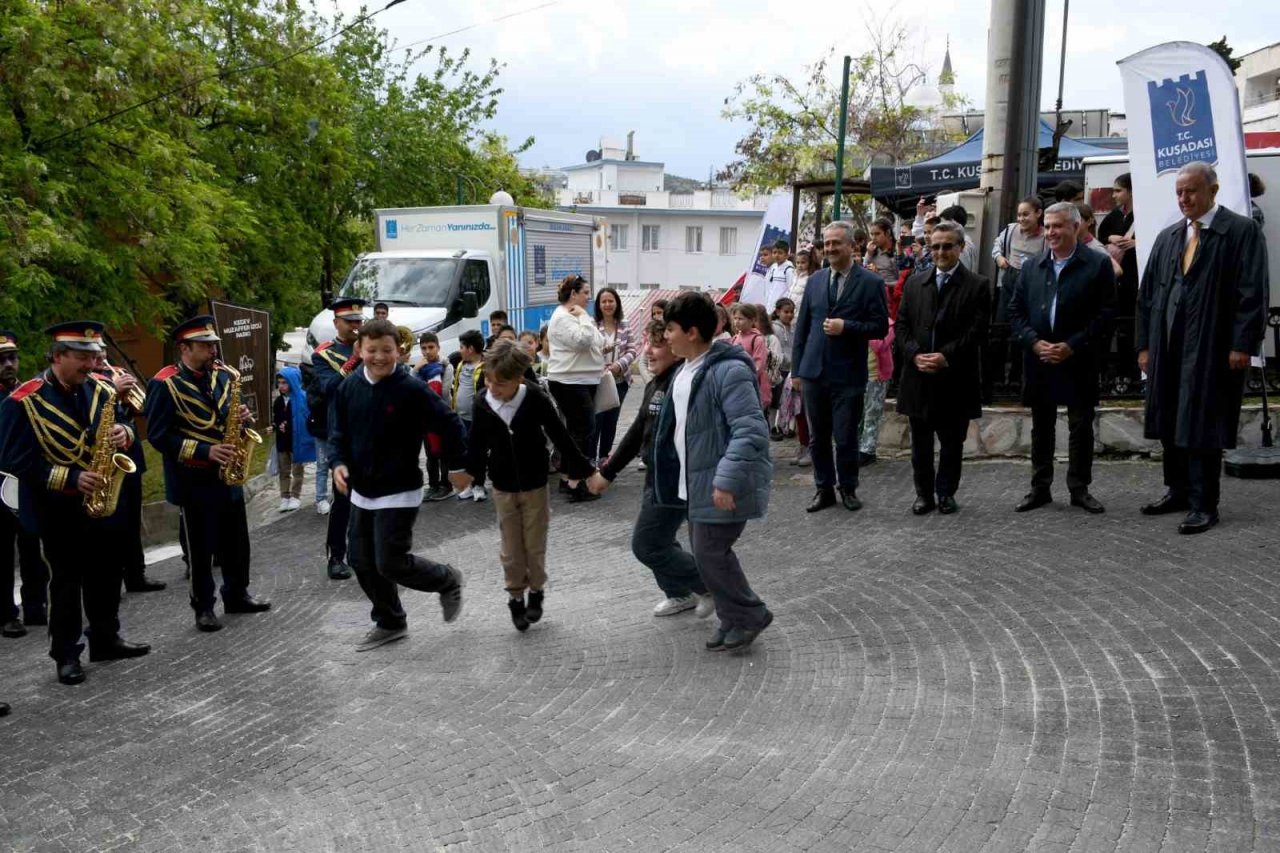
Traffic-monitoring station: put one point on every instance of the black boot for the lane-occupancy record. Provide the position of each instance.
(141, 583)
(534, 611)
(516, 605)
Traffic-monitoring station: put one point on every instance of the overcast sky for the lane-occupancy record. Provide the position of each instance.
(577, 70)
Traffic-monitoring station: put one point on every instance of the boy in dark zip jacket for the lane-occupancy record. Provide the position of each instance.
(511, 422)
(376, 422)
(653, 540)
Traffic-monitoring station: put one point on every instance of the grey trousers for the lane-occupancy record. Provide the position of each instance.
(736, 604)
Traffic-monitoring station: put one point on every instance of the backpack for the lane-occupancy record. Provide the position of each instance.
(772, 364)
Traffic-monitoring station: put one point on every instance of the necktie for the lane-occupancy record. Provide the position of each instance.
(1193, 243)
(942, 280)
(834, 296)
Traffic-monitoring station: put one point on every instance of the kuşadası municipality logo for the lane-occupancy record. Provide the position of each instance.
(1182, 122)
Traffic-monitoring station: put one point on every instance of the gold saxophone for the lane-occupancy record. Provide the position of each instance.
(111, 466)
(236, 472)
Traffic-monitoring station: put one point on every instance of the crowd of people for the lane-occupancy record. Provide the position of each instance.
(718, 386)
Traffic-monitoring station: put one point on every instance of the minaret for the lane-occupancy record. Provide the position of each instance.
(946, 78)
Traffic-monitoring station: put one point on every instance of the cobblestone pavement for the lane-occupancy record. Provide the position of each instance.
(984, 681)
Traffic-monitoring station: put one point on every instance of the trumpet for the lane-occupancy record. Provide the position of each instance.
(136, 397)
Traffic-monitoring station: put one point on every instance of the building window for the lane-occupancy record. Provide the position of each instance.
(649, 238)
(728, 241)
(693, 239)
(618, 238)
(651, 285)
(618, 285)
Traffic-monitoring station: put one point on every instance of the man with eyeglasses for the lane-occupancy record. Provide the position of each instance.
(942, 324)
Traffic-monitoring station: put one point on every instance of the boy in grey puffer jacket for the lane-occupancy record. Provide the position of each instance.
(710, 455)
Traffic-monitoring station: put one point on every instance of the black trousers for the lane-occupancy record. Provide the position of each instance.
(436, 472)
(339, 519)
(578, 405)
(951, 434)
(737, 605)
(131, 554)
(215, 524)
(1044, 425)
(1195, 475)
(834, 413)
(35, 576)
(84, 579)
(381, 541)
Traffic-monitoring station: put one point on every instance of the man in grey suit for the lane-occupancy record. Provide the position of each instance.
(1202, 309)
(844, 306)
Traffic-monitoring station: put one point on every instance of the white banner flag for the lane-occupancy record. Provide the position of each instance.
(1181, 106)
(776, 226)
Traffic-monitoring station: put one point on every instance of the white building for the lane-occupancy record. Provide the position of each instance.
(1258, 80)
(658, 239)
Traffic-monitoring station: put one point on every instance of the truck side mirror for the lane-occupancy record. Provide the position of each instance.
(470, 305)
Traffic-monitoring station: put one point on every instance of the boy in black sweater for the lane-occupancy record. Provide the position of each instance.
(510, 426)
(653, 541)
(376, 423)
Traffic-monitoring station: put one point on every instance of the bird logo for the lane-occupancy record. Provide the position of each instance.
(1182, 109)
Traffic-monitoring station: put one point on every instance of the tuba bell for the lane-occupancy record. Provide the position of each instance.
(9, 491)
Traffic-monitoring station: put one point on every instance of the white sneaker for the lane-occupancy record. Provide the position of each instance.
(467, 493)
(323, 507)
(640, 465)
(672, 606)
(706, 605)
(295, 503)
(285, 505)
(479, 494)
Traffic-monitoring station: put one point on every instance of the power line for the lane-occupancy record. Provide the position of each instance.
(221, 75)
(505, 17)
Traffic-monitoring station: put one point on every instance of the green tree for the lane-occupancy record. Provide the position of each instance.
(1225, 50)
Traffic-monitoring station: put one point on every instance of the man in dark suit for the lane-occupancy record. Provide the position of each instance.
(942, 323)
(1061, 307)
(1202, 312)
(844, 306)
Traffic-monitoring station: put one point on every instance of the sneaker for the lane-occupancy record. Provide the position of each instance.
(706, 605)
(380, 637)
(741, 638)
(295, 503)
(672, 606)
(451, 596)
(640, 465)
(803, 459)
(467, 494)
(440, 493)
(518, 617)
(323, 507)
(479, 494)
(285, 505)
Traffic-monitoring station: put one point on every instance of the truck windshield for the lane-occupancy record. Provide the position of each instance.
(408, 281)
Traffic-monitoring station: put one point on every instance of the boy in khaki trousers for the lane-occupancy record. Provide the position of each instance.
(511, 422)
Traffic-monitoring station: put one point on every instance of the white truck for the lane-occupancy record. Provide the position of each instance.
(444, 269)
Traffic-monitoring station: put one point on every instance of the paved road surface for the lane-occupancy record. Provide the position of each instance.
(986, 681)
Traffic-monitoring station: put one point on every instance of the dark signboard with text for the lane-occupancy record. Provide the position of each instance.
(246, 346)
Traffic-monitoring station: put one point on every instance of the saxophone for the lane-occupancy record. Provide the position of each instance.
(236, 472)
(111, 466)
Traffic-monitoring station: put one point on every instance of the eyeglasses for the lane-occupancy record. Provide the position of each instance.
(942, 247)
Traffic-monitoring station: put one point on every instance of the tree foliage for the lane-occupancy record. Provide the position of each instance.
(257, 185)
(1225, 50)
(793, 124)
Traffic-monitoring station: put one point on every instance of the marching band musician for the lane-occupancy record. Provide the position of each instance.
(131, 553)
(187, 408)
(35, 577)
(49, 432)
(332, 362)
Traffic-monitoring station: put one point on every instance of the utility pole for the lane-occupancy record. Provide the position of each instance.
(1011, 125)
(844, 116)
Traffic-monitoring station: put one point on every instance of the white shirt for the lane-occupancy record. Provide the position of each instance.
(400, 500)
(507, 411)
(681, 389)
(945, 275)
(779, 281)
(1205, 221)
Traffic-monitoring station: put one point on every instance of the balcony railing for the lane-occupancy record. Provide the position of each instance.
(636, 199)
(682, 200)
(583, 198)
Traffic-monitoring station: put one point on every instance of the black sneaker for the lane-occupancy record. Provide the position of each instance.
(338, 570)
(519, 615)
(582, 494)
(534, 611)
(451, 596)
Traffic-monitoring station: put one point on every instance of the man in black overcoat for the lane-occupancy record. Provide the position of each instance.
(942, 324)
(1060, 311)
(1202, 311)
